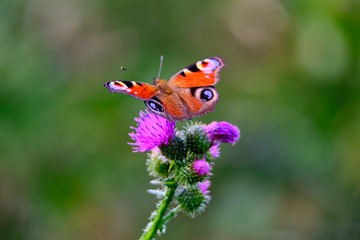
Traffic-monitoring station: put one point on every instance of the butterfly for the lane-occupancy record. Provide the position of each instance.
(188, 93)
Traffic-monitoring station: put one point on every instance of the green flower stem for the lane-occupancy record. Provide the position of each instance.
(158, 221)
(171, 214)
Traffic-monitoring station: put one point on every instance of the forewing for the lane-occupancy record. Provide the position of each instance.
(143, 91)
(200, 74)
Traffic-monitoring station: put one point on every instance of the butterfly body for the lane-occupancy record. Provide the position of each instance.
(188, 93)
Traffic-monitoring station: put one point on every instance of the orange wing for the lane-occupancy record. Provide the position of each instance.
(138, 90)
(200, 74)
(186, 103)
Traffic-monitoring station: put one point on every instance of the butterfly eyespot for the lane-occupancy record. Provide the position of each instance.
(154, 105)
(206, 95)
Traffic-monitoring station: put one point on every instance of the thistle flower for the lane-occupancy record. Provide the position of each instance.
(215, 150)
(222, 132)
(201, 167)
(151, 131)
(180, 162)
(203, 186)
(196, 139)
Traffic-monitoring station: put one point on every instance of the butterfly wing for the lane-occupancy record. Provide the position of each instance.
(199, 100)
(200, 74)
(138, 90)
(194, 87)
(168, 106)
(184, 104)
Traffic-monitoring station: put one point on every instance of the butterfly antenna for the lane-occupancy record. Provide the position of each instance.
(161, 61)
(141, 74)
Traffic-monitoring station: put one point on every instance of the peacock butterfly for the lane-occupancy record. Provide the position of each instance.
(188, 93)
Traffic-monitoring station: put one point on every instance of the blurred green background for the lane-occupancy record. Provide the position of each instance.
(291, 85)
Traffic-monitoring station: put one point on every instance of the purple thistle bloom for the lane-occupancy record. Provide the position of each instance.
(222, 132)
(215, 150)
(151, 131)
(201, 167)
(203, 186)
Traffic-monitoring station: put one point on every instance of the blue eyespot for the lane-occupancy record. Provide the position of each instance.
(206, 95)
(154, 105)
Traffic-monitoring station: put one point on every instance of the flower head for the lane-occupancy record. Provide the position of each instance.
(203, 186)
(201, 167)
(215, 150)
(222, 132)
(151, 131)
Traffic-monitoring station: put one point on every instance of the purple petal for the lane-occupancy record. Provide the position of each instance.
(203, 186)
(222, 132)
(201, 167)
(215, 150)
(151, 131)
